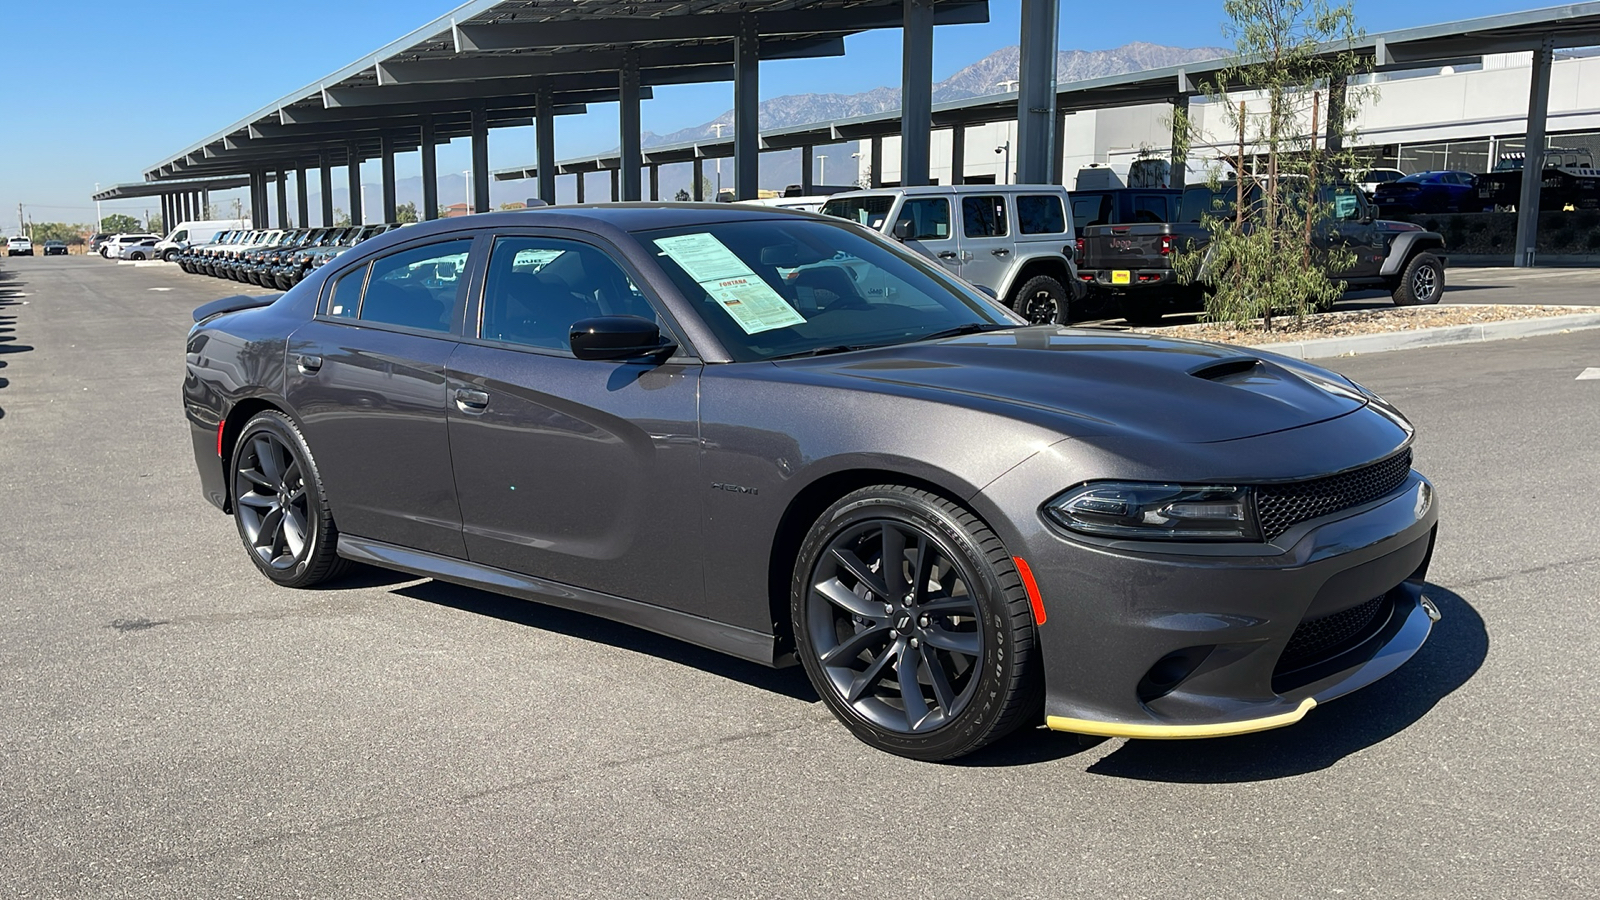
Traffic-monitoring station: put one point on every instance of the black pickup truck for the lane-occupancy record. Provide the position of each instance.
(1132, 264)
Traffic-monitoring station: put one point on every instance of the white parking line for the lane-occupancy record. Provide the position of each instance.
(1590, 374)
(160, 289)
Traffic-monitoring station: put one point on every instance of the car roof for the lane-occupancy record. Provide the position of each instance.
(917, 189)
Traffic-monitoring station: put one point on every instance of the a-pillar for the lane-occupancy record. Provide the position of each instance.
(1036, 91)
(386, 153)
(1180, 141)
(1533, 155)
(283, 199)
(746, 109)
(875, 163)
(697, 190)
(352, 170)
(916, 91)
(655, 182)
(628, 122)
(325, 169)
(430, 170)
(545, 142)
(958, 154)
(302, 197)
(807, 164)
(480, 159)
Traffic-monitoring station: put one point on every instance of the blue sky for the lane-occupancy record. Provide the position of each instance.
(99, 91)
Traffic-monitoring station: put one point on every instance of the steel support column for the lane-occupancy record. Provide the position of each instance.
(1180, 140)
(302, 197)
(616, 185)
(958, 154)
(1058, 140)
(697, 191)
(205, 204)
(1036, 91)
(628, 123)
(325, 168)
(480, 159)
(875, 164)
(283, 198)
(580, 176)
(808, 162)
(1333, 134)
(386, 154)
(166, 211)
(916, 91)
(258, 199)
(430, 170)
(1533, 155)
(746, 110)
(655, 182)
(353, 173)
(545, 142)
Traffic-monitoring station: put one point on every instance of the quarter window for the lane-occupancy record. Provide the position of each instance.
(345, 301)
(538, 287)
(1040, 214)
(983, 216)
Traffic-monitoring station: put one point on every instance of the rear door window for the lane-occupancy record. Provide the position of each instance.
(983, 216)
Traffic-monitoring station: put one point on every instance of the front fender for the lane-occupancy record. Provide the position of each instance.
(1405, 244)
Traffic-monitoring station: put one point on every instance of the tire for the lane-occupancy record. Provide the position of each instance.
(1421, 281)
(976, 627)
(136, 257)
(1042, 300)
(170, 255)
(271, 470)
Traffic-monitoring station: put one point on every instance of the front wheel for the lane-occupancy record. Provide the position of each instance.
(170, 255)
(1421, 282)
(279, 504)
(913, 625)
(1042, 300)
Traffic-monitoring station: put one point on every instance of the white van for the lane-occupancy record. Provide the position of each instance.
(189, 234)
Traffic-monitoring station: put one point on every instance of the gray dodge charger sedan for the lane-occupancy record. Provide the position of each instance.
(788, 439)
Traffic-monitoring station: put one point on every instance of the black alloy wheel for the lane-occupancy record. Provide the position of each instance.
(912, 624)
(1042, 300)
(279, 505)
(1421, 282)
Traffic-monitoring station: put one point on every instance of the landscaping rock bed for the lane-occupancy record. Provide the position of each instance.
(1363, 322)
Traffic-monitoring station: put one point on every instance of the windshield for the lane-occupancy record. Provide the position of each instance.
(770, 289)
(869, 210)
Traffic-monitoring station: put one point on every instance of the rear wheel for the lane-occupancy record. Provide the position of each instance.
(913, 625)
(1421, 282)
(279, 504)
(136, 256)
(1042, 300)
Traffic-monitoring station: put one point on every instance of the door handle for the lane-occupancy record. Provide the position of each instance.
(308, 364)
(470, 401)
(1000, 251)
(947, 254)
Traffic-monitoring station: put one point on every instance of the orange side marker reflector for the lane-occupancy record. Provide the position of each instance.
(1032, 587)
(219, 436)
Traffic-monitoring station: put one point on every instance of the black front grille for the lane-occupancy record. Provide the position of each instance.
(1322, 637)
(1280, 506)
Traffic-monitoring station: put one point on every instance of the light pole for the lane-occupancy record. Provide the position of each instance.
(857, 158)
(719, 126)
(822, 168)
(468, 174)
(1005, 174)
(98, 219)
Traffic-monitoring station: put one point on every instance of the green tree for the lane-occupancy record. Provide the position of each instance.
(405, 212)
(681, 196)
(1261, 258)
(341, 219)
(156, 225)
(58, 231)
(118, 223)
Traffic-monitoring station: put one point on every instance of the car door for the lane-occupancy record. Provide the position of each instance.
(581, 472)
(985, 239)
(367, 379)
(928, 230)
(1351, 225)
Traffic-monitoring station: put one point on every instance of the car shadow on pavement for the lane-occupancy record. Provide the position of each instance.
(1329, 733)
(790, 682)
(10, 299)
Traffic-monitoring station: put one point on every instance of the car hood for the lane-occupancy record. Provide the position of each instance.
(1085, 383)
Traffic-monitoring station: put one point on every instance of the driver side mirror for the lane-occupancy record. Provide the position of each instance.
(617, 338)
(901, 230)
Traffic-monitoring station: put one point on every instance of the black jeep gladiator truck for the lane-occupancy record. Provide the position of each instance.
(1132, 264)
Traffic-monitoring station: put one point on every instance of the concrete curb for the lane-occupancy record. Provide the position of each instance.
(1324, 348)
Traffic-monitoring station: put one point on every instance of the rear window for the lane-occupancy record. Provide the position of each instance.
(1152, 207)
(1041, 214)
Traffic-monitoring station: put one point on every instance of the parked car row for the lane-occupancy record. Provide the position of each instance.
(273, 257)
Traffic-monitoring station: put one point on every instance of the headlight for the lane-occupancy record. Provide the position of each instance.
(1167, 512)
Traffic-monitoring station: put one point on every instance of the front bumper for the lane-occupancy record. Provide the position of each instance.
(1162, 642)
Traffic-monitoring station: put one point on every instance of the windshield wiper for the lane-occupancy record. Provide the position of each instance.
(824, 351)
(969, 328)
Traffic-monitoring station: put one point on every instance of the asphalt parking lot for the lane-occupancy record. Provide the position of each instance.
(175, 726)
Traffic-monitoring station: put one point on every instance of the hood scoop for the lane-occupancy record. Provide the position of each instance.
(1227, 369)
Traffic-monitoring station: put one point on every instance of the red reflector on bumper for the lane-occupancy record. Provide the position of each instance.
(1032, 587)
(220, 426)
